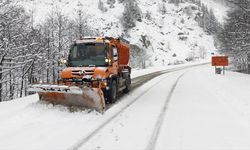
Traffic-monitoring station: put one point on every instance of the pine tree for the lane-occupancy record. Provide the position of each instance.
(101, 6)
(131, 14)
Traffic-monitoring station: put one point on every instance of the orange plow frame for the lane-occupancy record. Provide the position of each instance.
(92, 98)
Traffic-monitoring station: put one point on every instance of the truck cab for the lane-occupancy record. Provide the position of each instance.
(100, 62)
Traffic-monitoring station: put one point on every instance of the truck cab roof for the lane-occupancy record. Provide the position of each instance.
(99, 40)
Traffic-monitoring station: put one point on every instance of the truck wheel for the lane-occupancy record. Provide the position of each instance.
(112, 93)
(40, 97)
(128, 85)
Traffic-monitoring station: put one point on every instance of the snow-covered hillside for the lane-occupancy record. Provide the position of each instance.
(174, 33)
(219, 8)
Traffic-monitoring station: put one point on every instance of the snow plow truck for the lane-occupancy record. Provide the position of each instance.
(97, 69)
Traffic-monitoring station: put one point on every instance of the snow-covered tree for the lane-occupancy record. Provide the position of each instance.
(131, 14)
(19, 51)
(111, 3)
(101, 6)
(234, 38)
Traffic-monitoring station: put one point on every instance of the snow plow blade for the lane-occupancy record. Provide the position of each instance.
(86, 97)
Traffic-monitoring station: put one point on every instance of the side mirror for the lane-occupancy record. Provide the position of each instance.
(115, 58)
(115, 54)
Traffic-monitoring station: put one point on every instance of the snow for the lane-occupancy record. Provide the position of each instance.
(206, 115)
(219, 9)
(164, 31)
(39, 124)
(196, 118)
(161, 30)
(206, 111)
(139, 72)
(132, 129)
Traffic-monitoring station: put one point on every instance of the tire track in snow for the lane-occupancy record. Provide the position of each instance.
(140, 80)
(86, 138)
(158, 125)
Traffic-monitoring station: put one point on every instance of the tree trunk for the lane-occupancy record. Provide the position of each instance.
(1, 75)
(48, 58)
(21, 90)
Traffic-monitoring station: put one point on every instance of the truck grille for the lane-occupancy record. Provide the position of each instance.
(76, 73)
(89, 72)
(85, 72)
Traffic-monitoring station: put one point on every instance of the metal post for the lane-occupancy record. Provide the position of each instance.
(223, 70)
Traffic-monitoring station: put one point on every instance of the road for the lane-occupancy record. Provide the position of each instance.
(182, 110)
(177, 109)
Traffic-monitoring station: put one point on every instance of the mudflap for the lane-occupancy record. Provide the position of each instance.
(91, 98)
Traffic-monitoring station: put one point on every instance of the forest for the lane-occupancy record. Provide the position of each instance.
(30, 53)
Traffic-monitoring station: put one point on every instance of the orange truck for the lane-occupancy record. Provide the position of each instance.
(97, 69)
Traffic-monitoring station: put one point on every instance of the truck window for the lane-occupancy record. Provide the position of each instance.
(88, 54)
(74, 52)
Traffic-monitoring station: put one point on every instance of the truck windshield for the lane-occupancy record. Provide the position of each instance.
(89, 54)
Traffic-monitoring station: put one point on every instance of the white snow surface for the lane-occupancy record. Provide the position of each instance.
(206, 111)
(140, 72)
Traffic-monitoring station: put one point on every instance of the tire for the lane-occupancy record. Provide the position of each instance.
(40, 97)
(128, 85)
(112, 92)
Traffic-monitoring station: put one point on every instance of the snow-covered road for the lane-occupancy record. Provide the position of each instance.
(201, 114)
(136, 127)
(186, 109)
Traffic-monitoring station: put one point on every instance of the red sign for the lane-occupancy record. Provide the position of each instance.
(220, 61)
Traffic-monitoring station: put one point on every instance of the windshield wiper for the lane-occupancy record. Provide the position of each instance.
(86, 65)
(91, 65)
